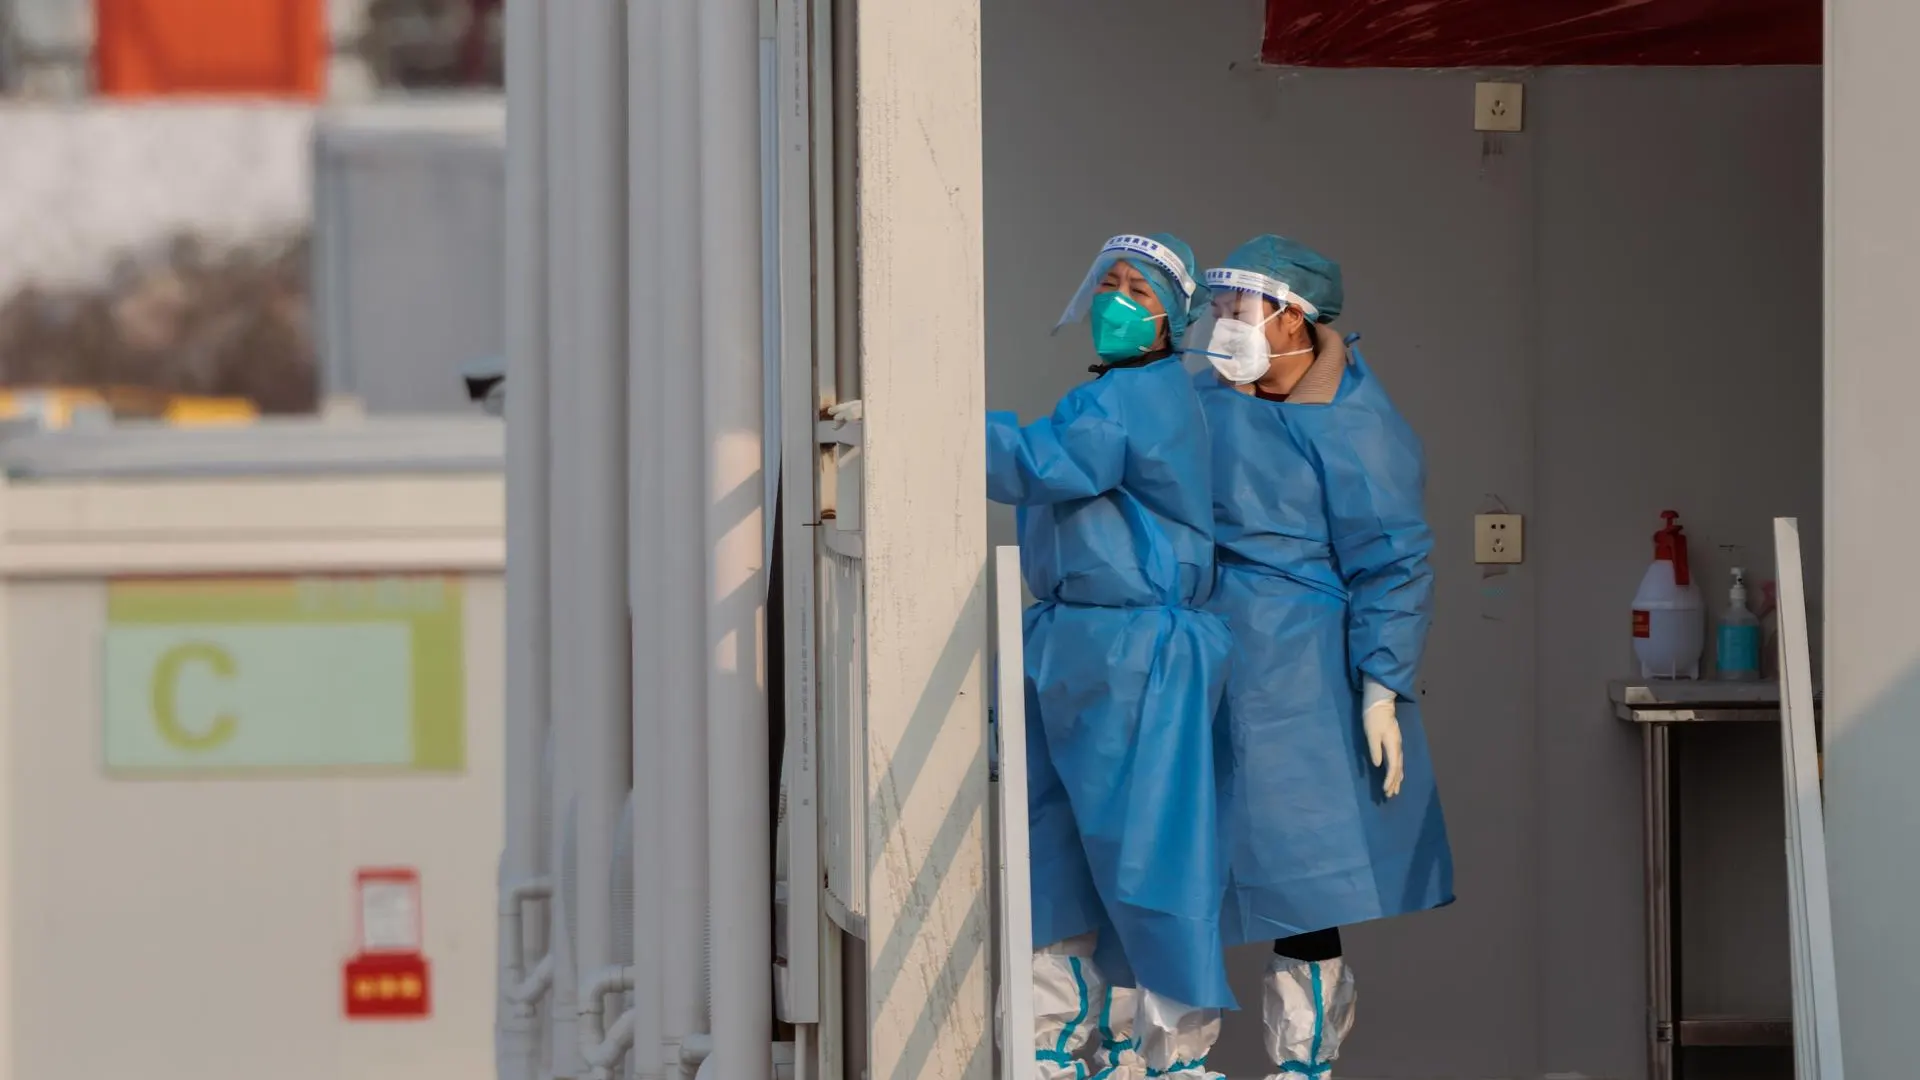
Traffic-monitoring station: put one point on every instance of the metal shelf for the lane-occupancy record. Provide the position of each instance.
(1715, 1031)
(1683, 701)
(1659, 709)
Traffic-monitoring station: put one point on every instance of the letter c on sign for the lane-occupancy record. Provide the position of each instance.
(166, 681)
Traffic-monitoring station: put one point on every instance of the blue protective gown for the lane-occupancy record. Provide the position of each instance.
(1323, 578)
(1124, 674)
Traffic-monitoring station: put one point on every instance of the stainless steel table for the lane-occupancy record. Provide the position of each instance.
(1662, 709)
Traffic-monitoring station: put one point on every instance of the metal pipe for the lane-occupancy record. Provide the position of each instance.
(683, 748)
(1657, 784)
(512, 915)
(646, 453)
(562, 497)
(698, 1050)
(738, 800)
(523, 858)
(605, 1055)
(601, 1046)
(595, 988)
(527, 994)
(695, 1049)
(846, 164)
(524, 316)
(767, 131)
(596, 564)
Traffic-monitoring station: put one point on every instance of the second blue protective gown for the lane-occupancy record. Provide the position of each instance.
(1124, 674)
(1323, 578)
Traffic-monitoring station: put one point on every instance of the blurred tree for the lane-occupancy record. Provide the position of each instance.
(190, 320)
(434, 44)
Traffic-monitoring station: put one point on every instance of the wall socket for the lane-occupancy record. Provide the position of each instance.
(1499, 106)
(1499, 539)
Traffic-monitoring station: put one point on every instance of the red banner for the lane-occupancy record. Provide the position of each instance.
(1539, 33)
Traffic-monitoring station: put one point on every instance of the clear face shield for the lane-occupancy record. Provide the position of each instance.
(1129, 316)
(1234, 329)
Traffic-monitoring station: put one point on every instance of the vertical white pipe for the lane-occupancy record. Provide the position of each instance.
(846, 240)
(769, 129)
(597, 535)
(737, 745)
(646, 457)
(683, 611)
(524, 316)
(563, 710)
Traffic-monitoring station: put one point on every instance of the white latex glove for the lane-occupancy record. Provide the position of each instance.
(846, 412)
(1383, 733)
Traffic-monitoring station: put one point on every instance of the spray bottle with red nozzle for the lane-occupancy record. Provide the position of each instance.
(1669, 616)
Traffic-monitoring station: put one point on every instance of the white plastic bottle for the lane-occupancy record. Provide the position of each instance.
(1669, 616)
(1738, 643)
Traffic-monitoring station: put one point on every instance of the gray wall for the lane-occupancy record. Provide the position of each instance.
(1614, 313)
(1872, 444)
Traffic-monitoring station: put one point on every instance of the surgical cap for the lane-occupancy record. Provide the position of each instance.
(1180, 314)
(1308, 274)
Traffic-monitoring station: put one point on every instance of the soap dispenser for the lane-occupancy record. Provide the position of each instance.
(1738, 642)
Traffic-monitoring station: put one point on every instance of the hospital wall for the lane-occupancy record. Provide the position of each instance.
(1613, 313)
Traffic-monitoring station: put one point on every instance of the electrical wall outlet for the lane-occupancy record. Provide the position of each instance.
(1499, 538)
(1498, 106)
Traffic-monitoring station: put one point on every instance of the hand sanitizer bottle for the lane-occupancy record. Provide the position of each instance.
(1739, 638)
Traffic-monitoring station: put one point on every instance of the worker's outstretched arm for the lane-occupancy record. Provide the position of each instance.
(1078, 452)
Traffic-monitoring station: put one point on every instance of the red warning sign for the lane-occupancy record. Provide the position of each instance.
(388, 978)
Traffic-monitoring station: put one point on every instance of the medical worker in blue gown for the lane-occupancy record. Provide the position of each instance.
(1329, 805)
(1124, 672)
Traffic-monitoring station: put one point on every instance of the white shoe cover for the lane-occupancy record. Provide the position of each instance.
(1066, 991)
(1144, 1035)
(1308, 1007)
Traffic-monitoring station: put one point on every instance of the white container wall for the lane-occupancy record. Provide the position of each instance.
(182, 916)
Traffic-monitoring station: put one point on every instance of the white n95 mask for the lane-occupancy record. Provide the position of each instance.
(1238, 351)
